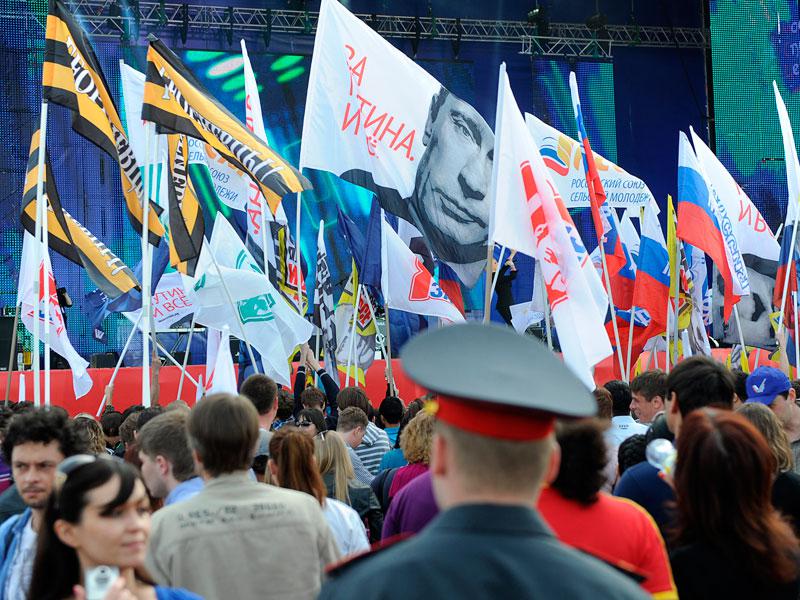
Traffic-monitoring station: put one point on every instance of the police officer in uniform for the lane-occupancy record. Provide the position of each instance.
(498, 394)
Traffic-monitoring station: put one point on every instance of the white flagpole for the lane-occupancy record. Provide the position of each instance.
(669, 328)
(497, 272)
(352, 344)
(630, 343)
(110, 387)
(186, 355)
(739, 328)
(316, 354)
(46, 295)
(175, 362)
(39, 252)
(146, 268)
(487, 300)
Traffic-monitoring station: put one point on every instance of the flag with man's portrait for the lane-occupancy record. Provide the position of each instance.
(377, 119)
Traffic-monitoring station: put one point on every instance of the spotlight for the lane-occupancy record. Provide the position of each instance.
(538, 17)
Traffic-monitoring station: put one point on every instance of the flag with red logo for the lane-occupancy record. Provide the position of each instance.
(44, 306)
(530, 216)
(406, 283)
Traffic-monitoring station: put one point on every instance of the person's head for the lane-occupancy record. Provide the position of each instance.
(771, 387)
(583, 458)
(177, 405)
(417, 438)
(165, 454)
(285, 405)
(770, 427)
(353, 396)
(796, 387)
(333, 457)
(352, 425)
(223, 431)
(648, 393)
(621, 397)
(697, 382)
(132, 409)
(391, 411)
(723, 486)
(311, 421)
(128, 427)
(91, 433)
(412, 409)
(631, 452)
(605, 403)
(146, 415)
(35, 443)
(110, 422)
(263, 393)
(453, 177)
(312, 397)
(293, 466)
(99, 514)
(740, 383)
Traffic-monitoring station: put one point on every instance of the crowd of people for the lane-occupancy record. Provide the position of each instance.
(510, 480)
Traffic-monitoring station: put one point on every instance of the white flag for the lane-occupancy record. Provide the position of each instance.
(406, 283)
(323, 306)
(530, 216)
(751, 230)
(377, 119)
(36, 305)
(563, 159)
(171, 303)
(272, 326)
(220, 374)
(630, 236)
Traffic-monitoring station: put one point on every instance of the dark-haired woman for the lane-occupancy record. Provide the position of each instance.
(311, 421)
(97, 515)
(729, 542)
(293, 466)
(615, 530)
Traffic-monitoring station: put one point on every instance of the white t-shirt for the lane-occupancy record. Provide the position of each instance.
(19, 576)
(347, 527)
(622, 428)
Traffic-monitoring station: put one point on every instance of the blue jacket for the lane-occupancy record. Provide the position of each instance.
(10, 535)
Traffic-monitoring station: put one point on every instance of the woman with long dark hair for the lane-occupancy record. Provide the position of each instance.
(730, 542)
(293, 466)
(98, 515)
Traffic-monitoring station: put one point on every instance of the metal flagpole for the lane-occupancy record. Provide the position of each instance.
(497, 272)
(316, 354)
(39, 252)
(352, 344)
(739, 327)
(46, 298)
(146, 268)
(186, 355)
(110, 387)
(547, 327)
(175, 362)
(13, 351)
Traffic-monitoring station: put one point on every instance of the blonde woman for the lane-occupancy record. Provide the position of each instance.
(786, 487)
(341, 483)
(415, 441)
(91, 433)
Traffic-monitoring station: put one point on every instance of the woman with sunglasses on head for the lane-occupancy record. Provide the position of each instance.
(292, 466)
(311, 421)
(98, 516)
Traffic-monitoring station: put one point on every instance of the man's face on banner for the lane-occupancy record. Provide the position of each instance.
(453, 178)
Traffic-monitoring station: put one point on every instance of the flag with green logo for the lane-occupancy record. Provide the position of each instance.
(259, 313)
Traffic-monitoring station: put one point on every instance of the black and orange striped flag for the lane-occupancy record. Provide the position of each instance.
(67, 236)
(186, 225)
(72, 78)
(176, 101)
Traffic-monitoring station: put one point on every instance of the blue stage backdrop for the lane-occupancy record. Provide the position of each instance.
(88, 180)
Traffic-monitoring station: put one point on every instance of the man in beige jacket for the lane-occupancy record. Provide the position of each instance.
(238, 538)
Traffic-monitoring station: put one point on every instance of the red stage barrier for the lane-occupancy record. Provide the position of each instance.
(128, 388)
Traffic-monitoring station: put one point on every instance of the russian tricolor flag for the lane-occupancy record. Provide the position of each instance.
(704, 223)
(652, 281)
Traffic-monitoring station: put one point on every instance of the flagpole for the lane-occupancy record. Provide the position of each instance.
(175, 362)
(298, 251)
(792, 263)
(46, 297)
(235, 312)
(739, 328)
(110, 387)
(497, 272)
(11, 354)
(146, 269)
(547, 328)
(383, 345)
(676, 300)
(498, 116)
(389, 346)
(611, 302)
(316, 353)
(37, 281)
(632, 324)
(186, 355)
(352, 344)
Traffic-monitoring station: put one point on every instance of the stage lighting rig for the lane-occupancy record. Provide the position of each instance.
(184, 22)
(268, 30)
(538, 17)
(597, 22)
(229, 30)
(457, 41)
(162, 13)
(417, 36)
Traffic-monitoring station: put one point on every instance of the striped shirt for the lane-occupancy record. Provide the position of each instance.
(372, 448)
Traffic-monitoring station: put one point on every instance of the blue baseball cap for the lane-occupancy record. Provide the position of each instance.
(765, 383)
